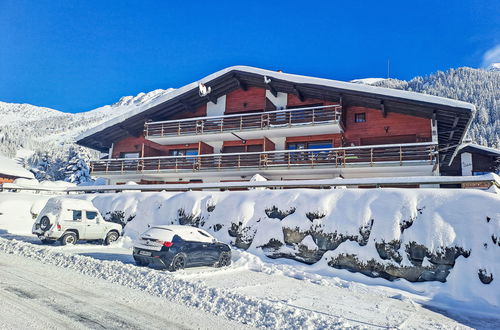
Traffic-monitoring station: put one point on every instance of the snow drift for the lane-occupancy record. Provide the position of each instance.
(452, 236)
(424, 236)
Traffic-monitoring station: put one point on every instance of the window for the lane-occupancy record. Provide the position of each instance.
(129, 155)
(306, 156)
(91, 215)
(183, 152)
(77, 215)
(309, 145)
(360, 117)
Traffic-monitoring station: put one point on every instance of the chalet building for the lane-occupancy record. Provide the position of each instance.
(10, 170)
(474, 159)
(243, 121)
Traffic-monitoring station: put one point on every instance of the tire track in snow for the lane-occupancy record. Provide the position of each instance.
(221, 302)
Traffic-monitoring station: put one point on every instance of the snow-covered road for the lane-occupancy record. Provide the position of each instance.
(81, 287)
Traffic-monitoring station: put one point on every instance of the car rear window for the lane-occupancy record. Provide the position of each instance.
(159, 233)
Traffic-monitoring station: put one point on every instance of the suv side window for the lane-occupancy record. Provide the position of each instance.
(77, 215)
(91, 215)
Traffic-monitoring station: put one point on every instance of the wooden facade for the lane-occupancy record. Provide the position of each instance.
(265, 118)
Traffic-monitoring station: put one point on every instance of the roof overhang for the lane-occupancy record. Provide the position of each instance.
(452, 117)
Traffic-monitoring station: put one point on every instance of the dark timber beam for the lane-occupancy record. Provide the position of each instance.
(241, 84)
(384, 110)
(272, 90)
(455, 122)
(211, 98)
(187, 106)
(299, 94)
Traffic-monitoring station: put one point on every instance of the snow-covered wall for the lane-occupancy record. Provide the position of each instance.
(451, 236)
(445, 241)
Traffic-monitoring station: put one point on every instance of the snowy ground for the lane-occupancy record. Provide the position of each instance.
(94, 286)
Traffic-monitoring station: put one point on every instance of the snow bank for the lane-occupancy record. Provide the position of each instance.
(403, 235)
(419, 235)
(18, 211)
(234, 306)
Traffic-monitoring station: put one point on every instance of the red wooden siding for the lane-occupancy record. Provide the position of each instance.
(395, 128)
(242, 101)
(148, 148)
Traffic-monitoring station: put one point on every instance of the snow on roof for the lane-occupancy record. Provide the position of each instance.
(10, 167)
(69, 203)
(299, 79)
(480, 147)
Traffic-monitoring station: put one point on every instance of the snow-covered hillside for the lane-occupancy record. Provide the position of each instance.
(45, 138)
(478, 86)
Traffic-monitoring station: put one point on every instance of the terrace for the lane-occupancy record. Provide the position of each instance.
(329, 158)
(283, 123)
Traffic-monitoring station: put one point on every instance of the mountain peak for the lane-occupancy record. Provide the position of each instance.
(493, 67)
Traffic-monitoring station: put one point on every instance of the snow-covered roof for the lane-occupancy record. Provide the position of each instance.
(478, 147)
(298, 79)
(11, 168)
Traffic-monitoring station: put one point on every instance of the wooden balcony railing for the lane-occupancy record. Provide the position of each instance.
(241, 122)
(364, 156)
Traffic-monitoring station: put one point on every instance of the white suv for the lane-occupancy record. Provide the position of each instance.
(70, 220)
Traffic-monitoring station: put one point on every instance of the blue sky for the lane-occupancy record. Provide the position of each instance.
(75, 56)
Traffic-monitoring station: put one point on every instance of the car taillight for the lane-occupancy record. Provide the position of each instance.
(59, 227)
(168, 244)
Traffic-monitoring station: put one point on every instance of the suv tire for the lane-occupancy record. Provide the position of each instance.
(69, 238)
(224, 260)
(179, 262)
(111, 237)
(45, 223)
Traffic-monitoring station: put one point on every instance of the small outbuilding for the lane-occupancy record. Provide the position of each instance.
(11, 170)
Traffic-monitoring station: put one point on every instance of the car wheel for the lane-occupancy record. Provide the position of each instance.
(68, 238)
(179, 262)
(224, 260)
(111, 237)
(45, 223)
(47, 241)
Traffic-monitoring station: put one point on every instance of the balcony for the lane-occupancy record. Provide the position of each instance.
(422, 154)
(282, 123)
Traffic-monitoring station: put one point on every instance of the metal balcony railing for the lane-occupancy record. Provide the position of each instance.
(242, 122)
(364, 156)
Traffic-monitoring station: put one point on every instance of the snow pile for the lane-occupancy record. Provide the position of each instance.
(19, 211)
(33, 183)
(11, 168)
(251, 311)
(426, 234)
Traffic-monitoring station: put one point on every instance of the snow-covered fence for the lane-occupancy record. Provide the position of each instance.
(482, 181)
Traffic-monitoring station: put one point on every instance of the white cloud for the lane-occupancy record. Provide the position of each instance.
(492, 55)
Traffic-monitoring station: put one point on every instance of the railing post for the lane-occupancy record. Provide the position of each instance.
(162, 129)
(289, 159)
(241, 123)
(159, 167)
(239, 161)
(289, 119)
(219, 165)
(400, 156)
(313, 115)
(371, 157)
